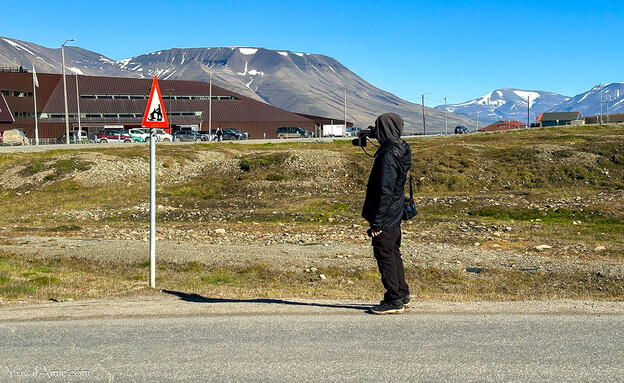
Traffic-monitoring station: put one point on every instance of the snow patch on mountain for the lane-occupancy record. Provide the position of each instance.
(75, 70)
(18, 46)
(248, 51)
(506, 104)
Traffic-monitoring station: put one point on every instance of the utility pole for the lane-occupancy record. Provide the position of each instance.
(65, 92)
(345, 109)
(600, 92)
(210, 109)
(169, 109)
(78, 103)
(528, 111)
(423, 114)
(445, 118)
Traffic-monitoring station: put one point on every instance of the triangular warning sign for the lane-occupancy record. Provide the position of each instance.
(155, 115)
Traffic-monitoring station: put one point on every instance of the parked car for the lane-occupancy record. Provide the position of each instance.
(113, 135)
(206, 135)
(293, 132)
(188, 136)
(14, 137)
(234, 134)
(352, 132)
(73, 137)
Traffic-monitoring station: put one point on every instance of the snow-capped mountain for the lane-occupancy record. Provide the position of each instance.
(611, 96)
(15, 53)
(506, 104)
(299, 82)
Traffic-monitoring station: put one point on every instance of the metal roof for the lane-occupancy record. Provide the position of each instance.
(559, 116)
(238, 108)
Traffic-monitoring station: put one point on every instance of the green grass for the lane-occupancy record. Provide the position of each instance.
(83, 278)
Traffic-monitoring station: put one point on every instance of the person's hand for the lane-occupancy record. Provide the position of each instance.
(375, 233)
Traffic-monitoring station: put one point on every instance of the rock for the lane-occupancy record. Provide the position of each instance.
(322, 276)
(600, 248)
(219, 231)
(542, 247)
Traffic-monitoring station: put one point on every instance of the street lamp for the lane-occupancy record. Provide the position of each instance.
(65, 91)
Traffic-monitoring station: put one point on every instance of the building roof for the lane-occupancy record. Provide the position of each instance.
(5, 113)
(226, 105)
(325, 120)
(559, 116)
(501, 125)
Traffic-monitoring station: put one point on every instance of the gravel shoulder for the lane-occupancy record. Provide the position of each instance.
(155, 303)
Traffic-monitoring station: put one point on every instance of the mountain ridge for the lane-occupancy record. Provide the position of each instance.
(305, 83)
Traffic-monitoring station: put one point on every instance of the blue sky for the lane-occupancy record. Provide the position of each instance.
(455, 49)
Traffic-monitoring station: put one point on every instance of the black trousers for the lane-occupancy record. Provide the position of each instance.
(386, 251)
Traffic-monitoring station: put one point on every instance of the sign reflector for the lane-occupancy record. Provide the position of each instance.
(155, 115)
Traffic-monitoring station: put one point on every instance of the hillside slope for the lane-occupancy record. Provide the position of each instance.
(302, 83)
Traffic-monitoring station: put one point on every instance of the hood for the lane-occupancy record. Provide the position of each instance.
(387, 126)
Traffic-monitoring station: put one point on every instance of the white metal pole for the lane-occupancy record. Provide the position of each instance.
(78, 103)
(210, 109)
(345, 110)
(65, 92)
(35, 100)
(152, 209)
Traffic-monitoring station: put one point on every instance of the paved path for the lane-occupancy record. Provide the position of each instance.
(209, 340)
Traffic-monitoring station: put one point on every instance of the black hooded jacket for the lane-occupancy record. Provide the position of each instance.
(383, 205)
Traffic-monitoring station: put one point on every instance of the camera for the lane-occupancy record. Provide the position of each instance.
(362, 136)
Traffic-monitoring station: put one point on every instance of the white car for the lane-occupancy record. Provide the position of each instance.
(144, 133)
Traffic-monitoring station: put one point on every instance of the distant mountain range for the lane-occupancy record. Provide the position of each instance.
(610, 96)
(511, 104)
(506, 104)
(299, 82)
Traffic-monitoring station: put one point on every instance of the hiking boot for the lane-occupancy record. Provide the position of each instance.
(407, 301)
(388, 307)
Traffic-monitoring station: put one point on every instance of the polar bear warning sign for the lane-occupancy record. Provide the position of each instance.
(155, 115)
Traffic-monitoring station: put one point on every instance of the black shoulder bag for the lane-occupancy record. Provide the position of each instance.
(409, 208)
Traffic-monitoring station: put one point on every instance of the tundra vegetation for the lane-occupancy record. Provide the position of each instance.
(553, 193)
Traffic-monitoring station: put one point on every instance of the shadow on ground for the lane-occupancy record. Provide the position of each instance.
(196, 298)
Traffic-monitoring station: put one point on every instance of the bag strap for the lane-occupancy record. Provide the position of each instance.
(411, 187)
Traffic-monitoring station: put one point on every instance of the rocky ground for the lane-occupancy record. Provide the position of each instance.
(257, 228)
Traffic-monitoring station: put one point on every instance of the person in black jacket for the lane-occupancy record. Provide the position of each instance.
(383, 209)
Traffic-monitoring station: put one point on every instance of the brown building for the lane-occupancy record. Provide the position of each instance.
(116, 101)
(502, 125)
(605, 118)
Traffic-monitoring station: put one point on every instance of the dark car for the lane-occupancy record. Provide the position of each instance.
(206, 135)
(188, 136)
(234, 134)
(293, 132)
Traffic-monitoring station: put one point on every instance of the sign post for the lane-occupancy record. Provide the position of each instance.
(154, 117)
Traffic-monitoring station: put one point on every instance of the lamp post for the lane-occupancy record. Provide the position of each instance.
(65, 91)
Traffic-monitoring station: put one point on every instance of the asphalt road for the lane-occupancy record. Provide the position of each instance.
(351, 346)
